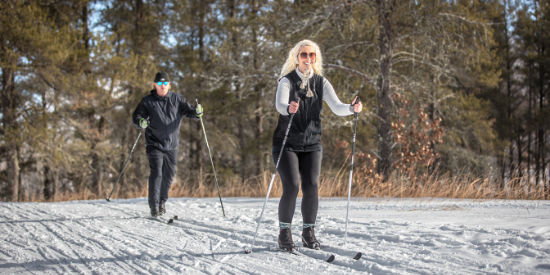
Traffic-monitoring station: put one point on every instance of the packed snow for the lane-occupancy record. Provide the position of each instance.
(396, 236)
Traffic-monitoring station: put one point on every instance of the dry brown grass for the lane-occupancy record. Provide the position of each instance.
(408, 185)
(462, 186)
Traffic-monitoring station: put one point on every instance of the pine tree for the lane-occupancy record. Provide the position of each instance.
(35, 42)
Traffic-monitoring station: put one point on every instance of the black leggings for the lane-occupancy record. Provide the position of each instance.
(292, 167)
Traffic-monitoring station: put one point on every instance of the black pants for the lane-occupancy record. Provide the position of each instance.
(163, 166)
(292, 167)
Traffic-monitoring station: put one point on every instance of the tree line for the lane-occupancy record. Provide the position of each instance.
(447, 86)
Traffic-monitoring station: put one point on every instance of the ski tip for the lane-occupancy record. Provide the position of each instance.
(330, 259)
(247, 251)
(170, 221)
(175, 217)
(358, 256)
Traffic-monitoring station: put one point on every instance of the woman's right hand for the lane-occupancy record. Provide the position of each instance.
(293, 107)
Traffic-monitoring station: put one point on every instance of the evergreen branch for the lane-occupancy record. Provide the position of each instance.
(470, 21)
(370, 44)
(349, 70)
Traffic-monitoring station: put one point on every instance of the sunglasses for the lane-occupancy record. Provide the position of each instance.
(304, 55)
(165, 83)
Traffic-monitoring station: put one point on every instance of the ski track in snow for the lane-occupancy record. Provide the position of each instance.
(396, 236)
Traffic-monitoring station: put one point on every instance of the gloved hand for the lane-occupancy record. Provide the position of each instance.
(199, 110)
(143, 123)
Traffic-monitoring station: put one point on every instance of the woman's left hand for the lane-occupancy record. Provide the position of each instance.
(357, 108)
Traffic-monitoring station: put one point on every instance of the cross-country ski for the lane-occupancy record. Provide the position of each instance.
(298, 253)
(163, 219)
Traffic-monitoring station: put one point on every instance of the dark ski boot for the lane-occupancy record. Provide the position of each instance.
(155, 212)
(285, 239)
(308, 238)
(162, 209)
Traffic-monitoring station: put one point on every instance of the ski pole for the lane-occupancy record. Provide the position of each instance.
(248, 251)
(211, 161)
(124, 167)
(351, 169)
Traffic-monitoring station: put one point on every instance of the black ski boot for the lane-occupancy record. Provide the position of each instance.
(162, 209)
(155, 212)
(308, 238)
(285, 239)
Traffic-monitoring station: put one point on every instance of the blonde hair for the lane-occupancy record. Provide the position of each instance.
(292, 60)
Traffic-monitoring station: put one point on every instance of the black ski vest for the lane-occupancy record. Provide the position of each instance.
(305, 131)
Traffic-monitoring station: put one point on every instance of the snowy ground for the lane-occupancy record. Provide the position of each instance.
(397, 236)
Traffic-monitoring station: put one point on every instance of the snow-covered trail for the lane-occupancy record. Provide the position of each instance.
(397, 236)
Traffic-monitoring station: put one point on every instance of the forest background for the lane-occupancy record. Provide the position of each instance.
(455, 94)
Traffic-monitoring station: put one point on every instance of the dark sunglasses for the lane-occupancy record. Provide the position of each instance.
(304, 55)
(165, 83)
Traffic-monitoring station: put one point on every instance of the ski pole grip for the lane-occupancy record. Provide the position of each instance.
(288, 109)
(355, 103)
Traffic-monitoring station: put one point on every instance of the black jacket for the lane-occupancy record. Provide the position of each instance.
(305, 131)
(165, 114)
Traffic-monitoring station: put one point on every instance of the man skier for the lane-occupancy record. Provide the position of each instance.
(160, 114)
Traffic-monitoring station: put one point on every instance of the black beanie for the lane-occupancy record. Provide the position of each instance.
(162, 76)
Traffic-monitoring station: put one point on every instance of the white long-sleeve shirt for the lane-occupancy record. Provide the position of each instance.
(329, 96)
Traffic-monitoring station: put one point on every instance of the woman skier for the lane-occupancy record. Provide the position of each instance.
(301, 91)
(160, 114)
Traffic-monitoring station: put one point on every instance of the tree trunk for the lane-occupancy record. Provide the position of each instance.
(503, 170)
(20, 190)
(520, 159)
(96, 168)
(122, 181)
(137, 36)
(86, 31)
(537, 160)
(240, 113)
(51, 184)
(257, 91)
(9, 121)
(529, 118)
(383, 95)
(13, 171)
(431, 116)
(541, 174)
(511, 160)
(542, 149)
(540, 133)
(48, 184)
(547, 183)
(509, 102)
(202, 55)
